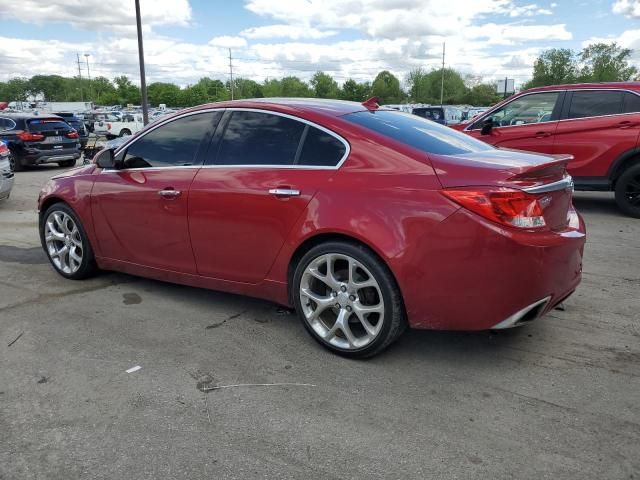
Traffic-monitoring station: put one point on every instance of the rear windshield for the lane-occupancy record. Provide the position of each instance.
(46, 124)
(418, 132)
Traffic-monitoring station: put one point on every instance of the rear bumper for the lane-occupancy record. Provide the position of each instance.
(488, 277)
(36, 157)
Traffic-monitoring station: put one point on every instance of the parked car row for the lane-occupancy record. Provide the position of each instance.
(598, 124)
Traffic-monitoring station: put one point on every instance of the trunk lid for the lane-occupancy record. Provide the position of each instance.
(543, 176)
(54, 131)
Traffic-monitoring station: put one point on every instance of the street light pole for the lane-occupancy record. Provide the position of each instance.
(143, 82)
(86, 55)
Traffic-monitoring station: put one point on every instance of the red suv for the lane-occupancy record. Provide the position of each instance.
(597, 123)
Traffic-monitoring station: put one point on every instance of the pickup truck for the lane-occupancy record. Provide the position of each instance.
(113, 127)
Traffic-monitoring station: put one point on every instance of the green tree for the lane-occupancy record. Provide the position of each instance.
(272, 88)
(127, 92)
(482, 95)
(245, 88)
(294, 87)
(51, 87)
(554, 67)
(357, 92)
(193, 95)
(324, 86)
(166, 93)
(426, 87)
(603, 62)
(15, 90)
(214, 90)
(387, 88)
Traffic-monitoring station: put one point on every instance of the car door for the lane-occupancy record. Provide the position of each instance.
(595, 131)
(528, 123)
(264, 169)
(140, 210)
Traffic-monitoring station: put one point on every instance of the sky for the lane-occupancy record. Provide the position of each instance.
(185, 40)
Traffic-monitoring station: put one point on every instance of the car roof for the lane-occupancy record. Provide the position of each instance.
(327, 107)
(587, 86)
(28, 116)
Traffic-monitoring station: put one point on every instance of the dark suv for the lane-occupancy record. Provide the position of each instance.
(78, 125)
(35, 139)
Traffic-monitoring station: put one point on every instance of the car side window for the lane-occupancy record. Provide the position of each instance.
(595, 103)
(6, 124)
(321, 149)
(631, 103)
(528, 109)
(173, 144)
(257, 138)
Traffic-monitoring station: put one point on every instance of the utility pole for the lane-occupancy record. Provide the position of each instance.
(86, 56)
(230, 74)
(143, 81)
(80, 77)
(442, 80)
(505, 87)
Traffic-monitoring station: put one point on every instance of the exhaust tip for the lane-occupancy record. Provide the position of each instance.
(527, 314)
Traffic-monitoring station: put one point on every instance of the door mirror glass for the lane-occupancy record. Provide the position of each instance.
(106, 159)
(487, 125)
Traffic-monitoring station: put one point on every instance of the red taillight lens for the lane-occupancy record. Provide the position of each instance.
(30, 137)
(73, 134)
(506, 206)
(108, 126)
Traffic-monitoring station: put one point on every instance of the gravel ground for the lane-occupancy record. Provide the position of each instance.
(556, 399)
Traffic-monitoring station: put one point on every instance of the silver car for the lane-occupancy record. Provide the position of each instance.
(6, 173)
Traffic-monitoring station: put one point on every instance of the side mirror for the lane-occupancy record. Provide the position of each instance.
(106, 159)
(487, 125)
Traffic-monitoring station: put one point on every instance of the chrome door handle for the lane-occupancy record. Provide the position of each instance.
(284, 192)
(169, 193)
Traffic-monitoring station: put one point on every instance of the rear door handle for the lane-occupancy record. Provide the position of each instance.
(625, 124)
(285, 192)
(169, 193)
(542, 134)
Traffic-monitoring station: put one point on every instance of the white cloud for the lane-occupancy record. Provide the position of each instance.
(629, 8)
(227, 41)
(98, 15)
(528, 11)
(293, 32)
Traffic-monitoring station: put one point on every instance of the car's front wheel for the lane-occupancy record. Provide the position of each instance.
(66, 243)
(628, 191)
(348, 299)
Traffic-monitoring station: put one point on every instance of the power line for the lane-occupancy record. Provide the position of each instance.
(230, 74)
(80, 77)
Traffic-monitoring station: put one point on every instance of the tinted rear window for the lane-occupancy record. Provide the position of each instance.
(631, 103)
(595, 104)
(321, 149)
(418, 133)
(45, 125)
(256, 138)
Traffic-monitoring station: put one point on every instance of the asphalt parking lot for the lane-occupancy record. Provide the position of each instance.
(556, 399)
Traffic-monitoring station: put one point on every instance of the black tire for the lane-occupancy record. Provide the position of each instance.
(125, 132)
(15, 163)
(88, 265)
(394, 319)
(67, 163)
(628, 191)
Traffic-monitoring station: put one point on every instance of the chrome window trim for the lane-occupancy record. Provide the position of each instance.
(572, 90)
(564, 184)
(245, 166)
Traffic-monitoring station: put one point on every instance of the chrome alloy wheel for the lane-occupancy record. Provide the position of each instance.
(64, 242)
(342, 301)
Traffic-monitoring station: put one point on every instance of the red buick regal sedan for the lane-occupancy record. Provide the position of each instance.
(366, 220)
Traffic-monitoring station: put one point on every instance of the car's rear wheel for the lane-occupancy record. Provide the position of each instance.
(15, 163)
(66, 243)
(125, 132)
(67, 163)
(628, 191)
(348, 299)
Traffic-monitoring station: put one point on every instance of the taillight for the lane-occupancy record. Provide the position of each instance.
(108, 126)
(506, 206)
(30, 137)
(72, 134)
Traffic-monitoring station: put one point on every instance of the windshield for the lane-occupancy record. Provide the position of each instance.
(417, 132)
